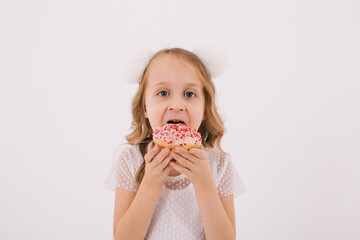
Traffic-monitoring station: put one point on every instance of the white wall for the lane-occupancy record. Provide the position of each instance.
(289, 98)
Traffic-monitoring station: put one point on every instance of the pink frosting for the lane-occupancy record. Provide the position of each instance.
(177, 134)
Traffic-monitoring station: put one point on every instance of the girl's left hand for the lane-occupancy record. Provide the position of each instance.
(193, 163)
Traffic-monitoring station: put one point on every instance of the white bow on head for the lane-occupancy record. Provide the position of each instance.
(212, 56)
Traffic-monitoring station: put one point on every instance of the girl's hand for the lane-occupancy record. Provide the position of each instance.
(156, 165)
(193, 163)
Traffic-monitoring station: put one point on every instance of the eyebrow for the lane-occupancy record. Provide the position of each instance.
(187, 85)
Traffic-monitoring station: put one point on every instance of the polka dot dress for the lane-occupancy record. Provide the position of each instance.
(177, 214)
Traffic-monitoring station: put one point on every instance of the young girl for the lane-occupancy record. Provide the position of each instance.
(178, 193)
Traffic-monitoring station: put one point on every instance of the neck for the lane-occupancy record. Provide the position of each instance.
(174, 172)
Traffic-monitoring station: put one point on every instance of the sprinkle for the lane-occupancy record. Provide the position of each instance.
(177, 134)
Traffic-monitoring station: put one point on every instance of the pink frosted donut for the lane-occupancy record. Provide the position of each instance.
(177, 135)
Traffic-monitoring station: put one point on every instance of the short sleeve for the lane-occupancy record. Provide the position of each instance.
(230, 181)
(122, 173)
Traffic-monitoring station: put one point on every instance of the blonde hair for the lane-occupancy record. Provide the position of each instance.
(212, 127)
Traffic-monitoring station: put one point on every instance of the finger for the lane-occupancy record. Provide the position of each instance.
(185, 154)
(183, 161)
(181, 169)
(165, 162)
(153, 152)
(160, 157)
(198, 152)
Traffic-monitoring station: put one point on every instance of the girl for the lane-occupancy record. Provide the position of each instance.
(177, 194)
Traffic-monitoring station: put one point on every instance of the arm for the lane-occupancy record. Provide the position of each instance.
(134, 222)
(217, 213)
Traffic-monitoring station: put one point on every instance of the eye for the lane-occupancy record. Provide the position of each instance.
(190, 94)
(161, 93)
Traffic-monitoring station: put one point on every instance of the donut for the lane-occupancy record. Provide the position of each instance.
(171, 135)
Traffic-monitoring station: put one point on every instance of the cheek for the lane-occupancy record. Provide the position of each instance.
(154, 106)
(201, 105)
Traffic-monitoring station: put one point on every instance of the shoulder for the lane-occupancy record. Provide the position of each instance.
(126, 153)
(216, 155)
(218, 161)
(124, 148)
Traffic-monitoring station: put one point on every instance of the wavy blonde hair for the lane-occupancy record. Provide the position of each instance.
(212, 127)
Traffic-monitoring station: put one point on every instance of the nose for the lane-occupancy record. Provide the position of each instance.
(176, 105)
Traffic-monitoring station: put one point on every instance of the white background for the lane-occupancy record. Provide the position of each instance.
(289, 99)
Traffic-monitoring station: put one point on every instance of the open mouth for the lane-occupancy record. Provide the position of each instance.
(174, 122)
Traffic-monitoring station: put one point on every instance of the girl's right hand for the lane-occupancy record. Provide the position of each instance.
(157, 166)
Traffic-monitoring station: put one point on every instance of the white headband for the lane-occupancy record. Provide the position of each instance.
(212, 56)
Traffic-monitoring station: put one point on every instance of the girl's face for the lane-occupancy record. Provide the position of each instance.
(174, 91)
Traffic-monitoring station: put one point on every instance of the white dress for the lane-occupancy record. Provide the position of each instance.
(177, 214)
